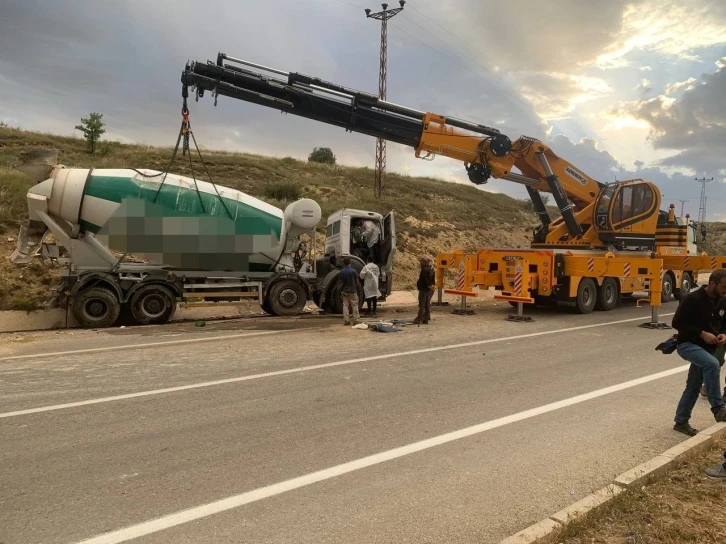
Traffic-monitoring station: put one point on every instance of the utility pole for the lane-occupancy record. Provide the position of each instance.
(702, 209)
(383, 16)
(683, 202)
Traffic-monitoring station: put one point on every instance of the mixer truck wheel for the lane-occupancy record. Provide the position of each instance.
(287, 298)
(335, 300)
(152, 305)
(96, 307)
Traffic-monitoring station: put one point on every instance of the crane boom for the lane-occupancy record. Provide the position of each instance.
(485, 151)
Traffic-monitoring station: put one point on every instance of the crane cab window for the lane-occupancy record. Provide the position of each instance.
(642, 199)
(632, 201)
(603, 208)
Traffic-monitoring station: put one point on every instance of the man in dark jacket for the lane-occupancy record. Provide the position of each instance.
(699, 320)
(349, 292)
(425, 285)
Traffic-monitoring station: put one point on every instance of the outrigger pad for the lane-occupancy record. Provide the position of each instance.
(523, 318)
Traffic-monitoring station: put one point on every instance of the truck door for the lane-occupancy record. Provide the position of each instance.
(388, 250)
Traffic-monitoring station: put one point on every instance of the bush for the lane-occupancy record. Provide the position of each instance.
(107, 148)
(285, 191)
(322, 155)
(289, 160)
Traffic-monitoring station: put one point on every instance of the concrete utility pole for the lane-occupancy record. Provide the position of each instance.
(702, 209)
(383, 16)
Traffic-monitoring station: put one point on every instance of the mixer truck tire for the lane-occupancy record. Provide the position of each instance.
(287, 298)
(335, 298)
(96, 307)
(152, 305)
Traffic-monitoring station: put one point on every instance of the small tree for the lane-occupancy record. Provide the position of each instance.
(323, 155)
(92, 128)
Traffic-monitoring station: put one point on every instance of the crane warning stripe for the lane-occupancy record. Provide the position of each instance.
(626, 269)
(590, 264)
(460, 279)
(686, 262)
(714, 262)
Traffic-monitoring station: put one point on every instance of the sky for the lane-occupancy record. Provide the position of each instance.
(622, 89)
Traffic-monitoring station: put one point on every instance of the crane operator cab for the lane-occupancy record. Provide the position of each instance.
(358, 234)
(628, 213)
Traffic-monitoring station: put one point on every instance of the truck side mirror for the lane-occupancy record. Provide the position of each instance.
(703, 233)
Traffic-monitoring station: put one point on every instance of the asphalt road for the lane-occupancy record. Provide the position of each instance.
(301, 430)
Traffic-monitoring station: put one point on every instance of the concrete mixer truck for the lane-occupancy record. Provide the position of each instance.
(201, 244)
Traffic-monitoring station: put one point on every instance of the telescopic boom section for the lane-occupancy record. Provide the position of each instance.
(484, 150)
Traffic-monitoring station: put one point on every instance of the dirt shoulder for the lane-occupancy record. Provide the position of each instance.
(681, 506)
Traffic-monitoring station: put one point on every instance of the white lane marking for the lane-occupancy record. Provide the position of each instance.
(235, 501)
(301, 369)
(147, 345)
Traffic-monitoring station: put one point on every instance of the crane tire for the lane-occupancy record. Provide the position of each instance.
(607, 295)
(586, 296)
(667, 289)
(686, 286)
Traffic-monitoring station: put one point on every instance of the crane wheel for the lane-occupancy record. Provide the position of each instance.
(152, 305)
(586, 296)
(686, 286)
(96, 307)
(607, 295)
(667, 289)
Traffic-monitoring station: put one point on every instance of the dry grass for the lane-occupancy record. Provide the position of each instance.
(682, 506)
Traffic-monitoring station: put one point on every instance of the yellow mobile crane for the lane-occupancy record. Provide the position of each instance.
(610, 240)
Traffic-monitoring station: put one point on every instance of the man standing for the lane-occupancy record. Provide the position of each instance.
(369, 275)
(426, 284)
(349, 291)
(373, 236)
(698, 320)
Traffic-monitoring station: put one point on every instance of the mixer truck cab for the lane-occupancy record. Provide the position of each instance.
(344, 238)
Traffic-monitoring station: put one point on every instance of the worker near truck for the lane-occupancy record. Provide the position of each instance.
(349, 292)
(373, 235)
(426, 284)
(369, 275)
(699, 321)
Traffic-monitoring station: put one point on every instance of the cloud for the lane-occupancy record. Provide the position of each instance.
(694, 125)
(669, 27)
(557, 94)
(687, 85)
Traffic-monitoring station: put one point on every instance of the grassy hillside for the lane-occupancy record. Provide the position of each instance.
(431, 215)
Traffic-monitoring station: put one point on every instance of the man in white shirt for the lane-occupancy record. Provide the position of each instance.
(373, 236)
(369, 274)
